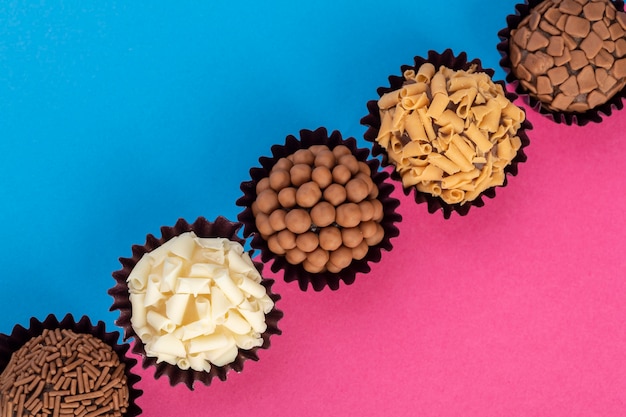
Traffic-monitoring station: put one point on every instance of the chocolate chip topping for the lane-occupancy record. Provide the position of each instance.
(571, 54)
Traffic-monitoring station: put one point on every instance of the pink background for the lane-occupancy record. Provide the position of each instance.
(517, 309)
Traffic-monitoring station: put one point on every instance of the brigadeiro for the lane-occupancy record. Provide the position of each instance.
(54, 366)
(567, 58)
(319, 209)
(451, 133)
(195, 301)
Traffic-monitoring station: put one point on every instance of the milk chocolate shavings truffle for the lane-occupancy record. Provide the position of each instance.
(570, 54)
(449, 133)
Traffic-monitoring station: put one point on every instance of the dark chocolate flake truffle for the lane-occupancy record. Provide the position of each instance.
(568, 54)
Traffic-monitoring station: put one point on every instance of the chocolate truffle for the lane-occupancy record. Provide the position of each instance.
(449, 133)
(570, 55)
(61, 369)
(316, 225)
(319, 204)
(438, 108)
(195, 302)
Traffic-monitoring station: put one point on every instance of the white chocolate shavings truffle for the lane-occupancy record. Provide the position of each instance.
(196, 301)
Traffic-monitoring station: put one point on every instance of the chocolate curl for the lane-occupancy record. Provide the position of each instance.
(203, 228)
(372, 120)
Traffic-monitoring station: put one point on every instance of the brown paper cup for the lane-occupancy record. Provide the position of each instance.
(594, 115)
(297, 273)
(221, 227)
(372, 120)
(20, 335)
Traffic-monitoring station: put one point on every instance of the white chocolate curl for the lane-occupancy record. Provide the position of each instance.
(197, 301)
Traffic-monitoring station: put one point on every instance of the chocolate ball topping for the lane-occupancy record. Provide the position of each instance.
(318, 208)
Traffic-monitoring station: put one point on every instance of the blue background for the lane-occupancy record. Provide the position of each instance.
(117, 118)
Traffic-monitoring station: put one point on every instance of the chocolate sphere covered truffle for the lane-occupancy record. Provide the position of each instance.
(311, 208)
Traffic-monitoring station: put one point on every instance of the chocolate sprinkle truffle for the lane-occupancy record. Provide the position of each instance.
(570, 55)
(67, 367)
(60, 369)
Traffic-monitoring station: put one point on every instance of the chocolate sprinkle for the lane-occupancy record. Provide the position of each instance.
(43, 375)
